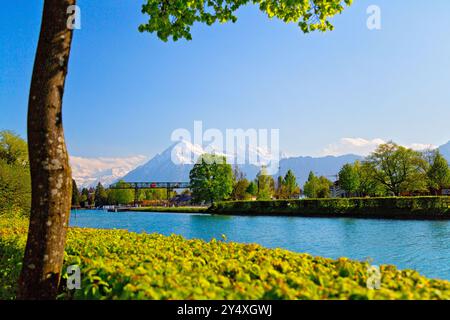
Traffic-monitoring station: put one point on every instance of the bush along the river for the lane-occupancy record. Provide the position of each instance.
(387, 207)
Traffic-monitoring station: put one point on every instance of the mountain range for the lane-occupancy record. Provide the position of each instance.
(88, 172)
(175, 163)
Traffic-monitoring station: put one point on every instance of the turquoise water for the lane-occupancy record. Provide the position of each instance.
(420, 245)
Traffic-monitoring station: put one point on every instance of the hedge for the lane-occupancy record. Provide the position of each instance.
(117, 264)
(388, 207)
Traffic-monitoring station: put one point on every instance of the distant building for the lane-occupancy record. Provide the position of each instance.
(336, 190)
(181, 200)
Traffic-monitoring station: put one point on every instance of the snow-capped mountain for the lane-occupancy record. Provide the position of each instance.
(445, 151)
(88, 172)
(175, 163)
(185, 152)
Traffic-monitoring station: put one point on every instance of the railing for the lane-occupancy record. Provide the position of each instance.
(150, 185)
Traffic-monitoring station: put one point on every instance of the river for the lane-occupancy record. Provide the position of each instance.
(420, 245)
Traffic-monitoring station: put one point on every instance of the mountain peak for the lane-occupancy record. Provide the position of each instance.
(445, 150)
(185, 152)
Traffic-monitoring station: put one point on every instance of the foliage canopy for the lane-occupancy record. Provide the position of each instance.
(211, 179)
(174, 18)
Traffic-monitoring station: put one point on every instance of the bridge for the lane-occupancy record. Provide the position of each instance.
(136, 186)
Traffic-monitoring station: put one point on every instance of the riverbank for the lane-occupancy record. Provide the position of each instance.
(190, 209)
(117, 264)
(416, 208)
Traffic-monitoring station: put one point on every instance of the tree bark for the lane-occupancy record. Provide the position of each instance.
(49, 164)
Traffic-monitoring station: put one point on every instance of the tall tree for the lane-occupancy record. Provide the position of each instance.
(349, 179)
(240, 185)
(84, 199)
(174, 19)
(317, 187)
(398, 168)
(15, 183)
(13, 149)
(324, 187)
(211, 179)
(101, 196)
(280, 192)
(368, 185)
(252, 189)
(15, 189)
(51, 178)
(75, 194)
(290, 185)
(438, 173)
(266, 185)
(311, 186)
(240, 190)
(50, 171)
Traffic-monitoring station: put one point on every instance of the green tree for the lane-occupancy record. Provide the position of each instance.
(324, 188)
(252, 189)
(266, 185)
(91, 197)
(50, 168)
(438, 173)
(311, 186)
(349, 179)
(101, 196)
(280, 192)
(15, 189)
(174, 19)
(398, 169)
(153, 194)
(211, 179)
(13, 149)
(317, 187)
(240, 190)
(75, 194)
(84, 199)
(290, 185)
(368, 185)
(240, 185)
(120, 195)
(15, 181)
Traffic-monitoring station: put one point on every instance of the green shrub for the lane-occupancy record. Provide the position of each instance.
(117, 264)
(15, 189)
(389, 207)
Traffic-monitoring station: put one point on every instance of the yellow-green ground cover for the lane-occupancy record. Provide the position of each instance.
(117, 264)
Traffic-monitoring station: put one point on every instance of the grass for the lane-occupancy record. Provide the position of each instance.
(117, 264)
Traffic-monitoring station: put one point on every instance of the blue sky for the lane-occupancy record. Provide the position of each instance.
(126, 92)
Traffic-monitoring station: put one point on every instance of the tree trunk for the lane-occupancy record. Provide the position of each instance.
(50, 172)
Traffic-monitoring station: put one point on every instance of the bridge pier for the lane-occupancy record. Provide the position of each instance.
(136, 196)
